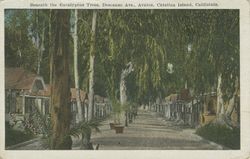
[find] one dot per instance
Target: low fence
(101, 111)
(187, 112)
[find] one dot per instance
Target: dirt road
(150, 132)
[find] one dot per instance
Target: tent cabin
(73, 104)
(209, 112)
(210, 108)
(22, 92)
(171, 98)
(83, 98)
(185, 95)
(101, 106)
(84, 103)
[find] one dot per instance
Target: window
(210, 107)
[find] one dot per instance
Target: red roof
(185, 95)
(172, 97)
(19, 78)
(47, 93)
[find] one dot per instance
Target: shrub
(13, 137)
(221, 134)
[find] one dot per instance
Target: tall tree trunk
(61, 115)
(51, 59)
(223, 115)
(220, 105)
(91, 69)
(186, 85)
(91, 109)
(78, 99)
(123, 95)
(37, 41)
(41, 49)
(231, 103)
(123, 98)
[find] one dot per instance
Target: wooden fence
(187, 112)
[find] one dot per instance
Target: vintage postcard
(125, 79)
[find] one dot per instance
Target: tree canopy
(199, 44)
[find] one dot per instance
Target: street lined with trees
(130, 57)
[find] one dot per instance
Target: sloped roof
(82, 94)
(19, 78)
(172, 97)
(185, 95)
(47, 93)
(99, 98)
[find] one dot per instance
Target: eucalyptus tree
(152, 56)
(76, 76)
(114, 58)
(38, 30)
(91, 66)
(60, 112)
(91, 73)
(214, 53)
(123, 88)
(214, 58)
(131, 40)
(226, 50)
(20, 50)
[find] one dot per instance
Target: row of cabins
(25, 91)
(192, 111)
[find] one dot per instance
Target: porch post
(23, 102)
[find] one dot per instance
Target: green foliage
(38, 123)
(85, 127)
(150, 39)
(19, 48)
(22, 29)
(221, 135)
(41, 124)
(116, 106)
(13, 137)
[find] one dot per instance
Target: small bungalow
(23, 91)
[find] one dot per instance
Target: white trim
(37, 97)
(41, 79)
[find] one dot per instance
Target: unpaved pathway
(148, 132)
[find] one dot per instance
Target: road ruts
(150, 132)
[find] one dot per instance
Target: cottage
(23, 91)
